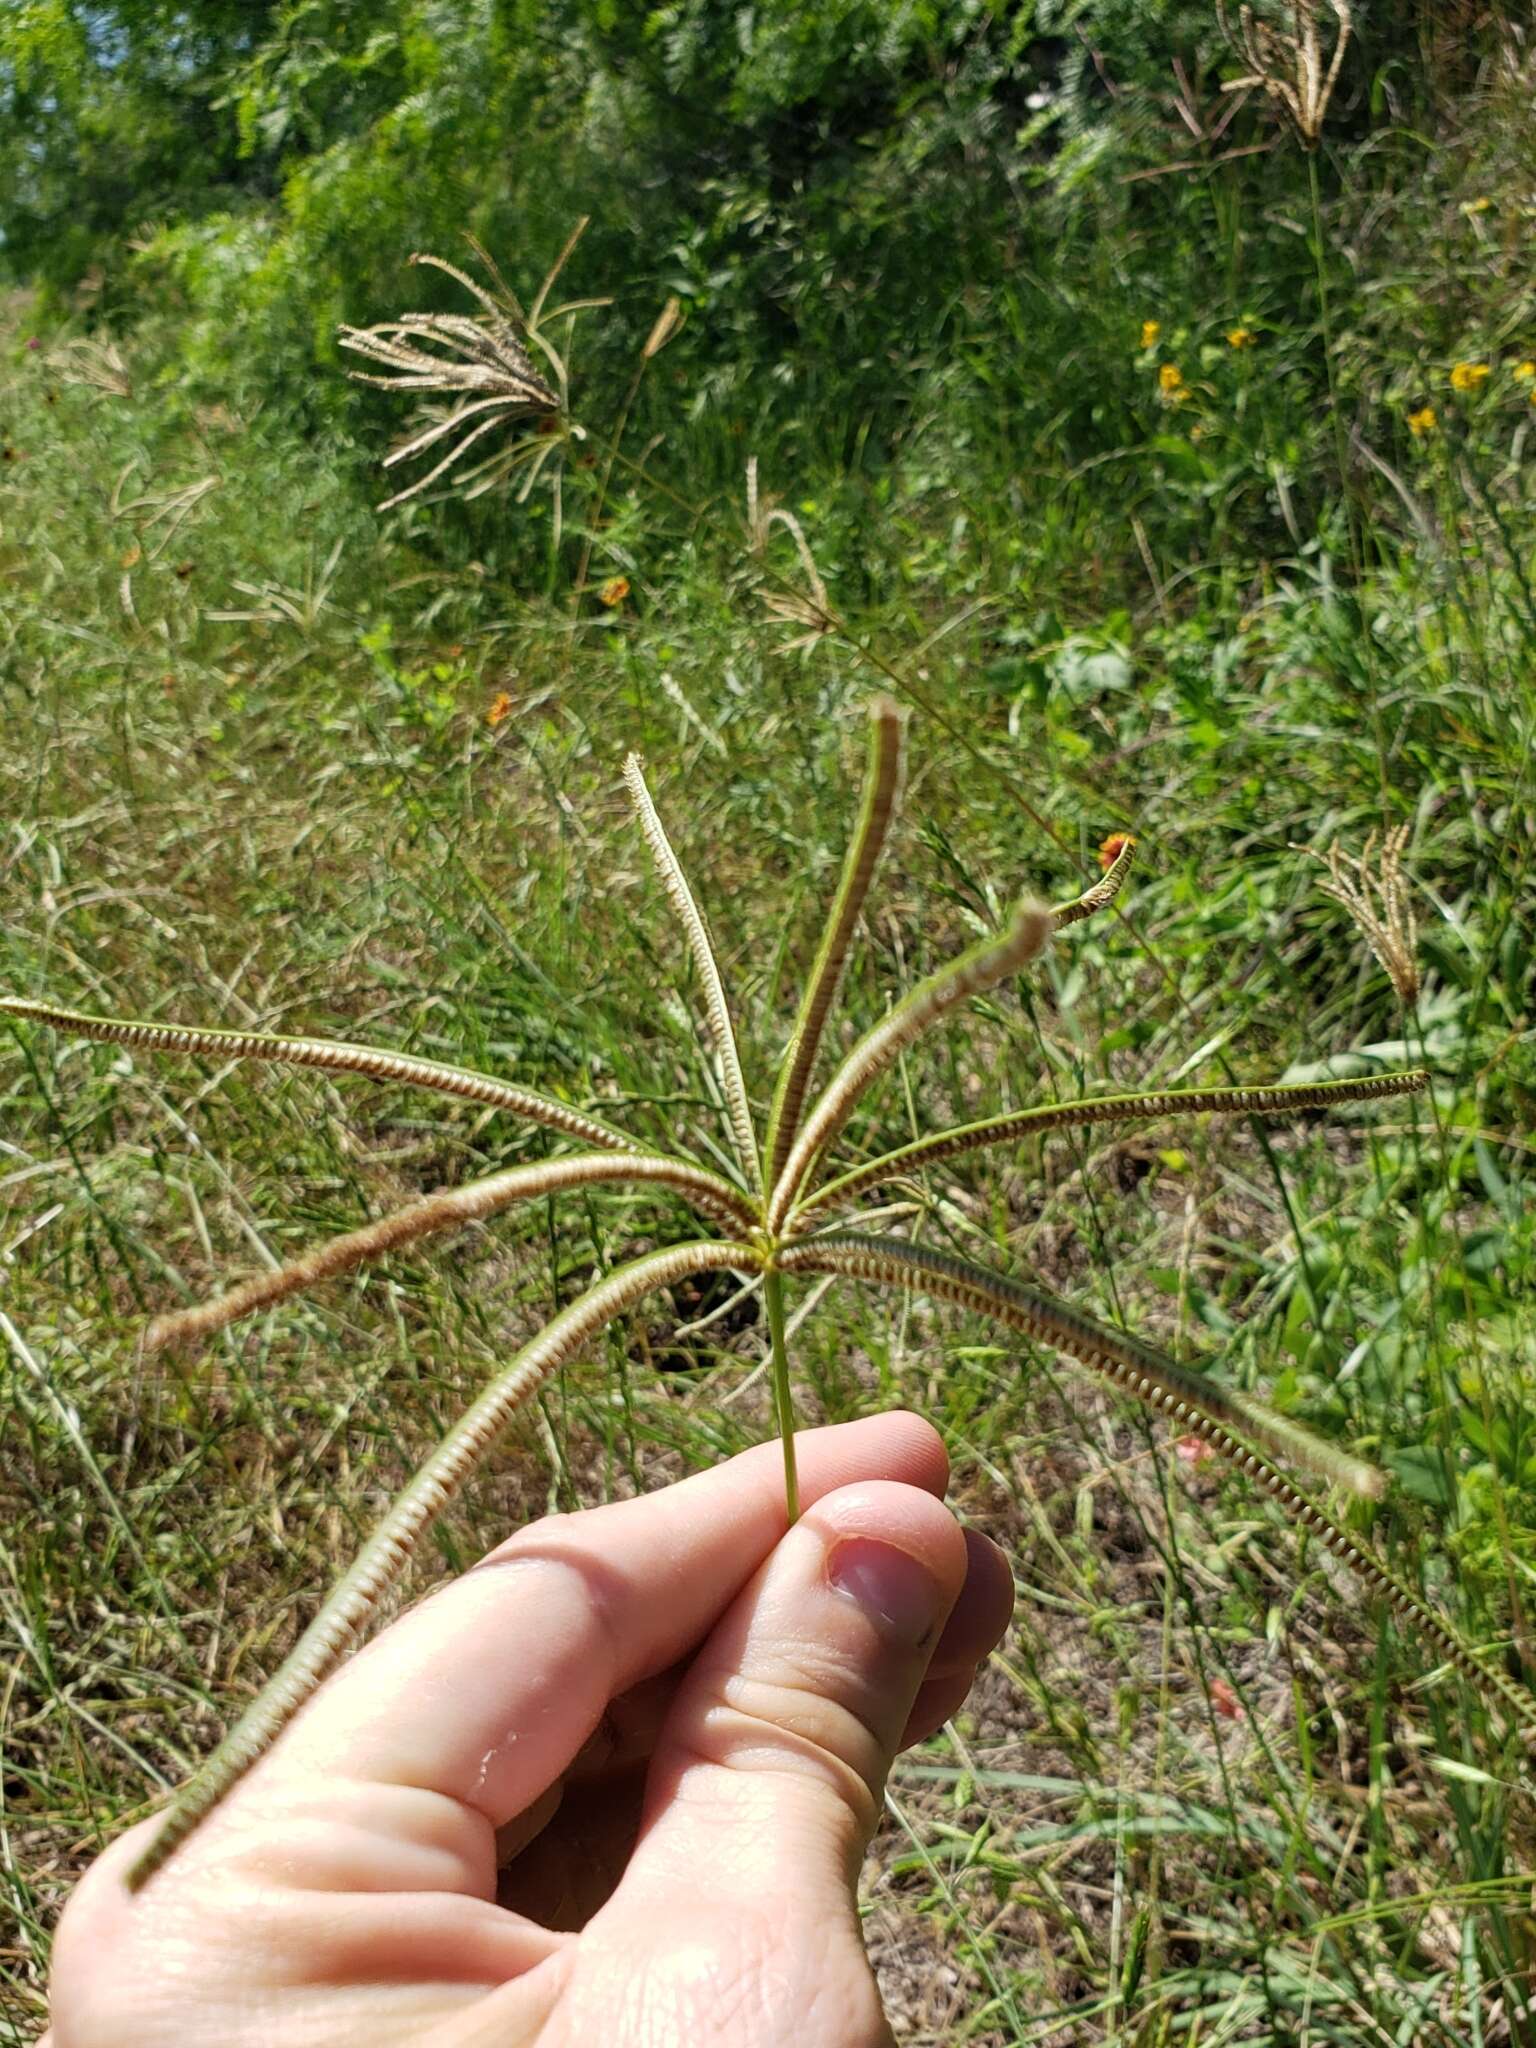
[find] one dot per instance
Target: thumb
(771, 1765)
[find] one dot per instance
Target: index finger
(486, 1691)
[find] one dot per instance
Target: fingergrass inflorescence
(1290, 65)
(483, 364)
(780, 1207)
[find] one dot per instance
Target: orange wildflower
(614, 591)
(1224, 1700)
(1112, 849)
(501, 709)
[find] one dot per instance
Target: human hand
(666, 1722)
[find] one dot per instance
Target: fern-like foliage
(784, 1210)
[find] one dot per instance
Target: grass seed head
(1376, 897)
(1290, 65)
(483, 365)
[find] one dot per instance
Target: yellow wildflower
(1241, 337)
(1170, 382)
(1524, 373)
(1150, 330)
(614, 591)
(501, 709)
(1468, 376)
(1422, 422)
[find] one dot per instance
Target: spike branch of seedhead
(451, 1209)
(356, 1598)
(717, 1015)
(880, 797)
(1274, 1099)
(331, 1056)
(1231, 1423)
(979, 968)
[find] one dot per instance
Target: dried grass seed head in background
(1371, 887)
(1289, 64)
(484, 363)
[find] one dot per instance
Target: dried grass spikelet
(300, 605)
(95, 361)
(1377, 898)
(667, 323)
(810, 608)
(483, 362)
(1289, 65)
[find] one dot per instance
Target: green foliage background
(915, 248)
